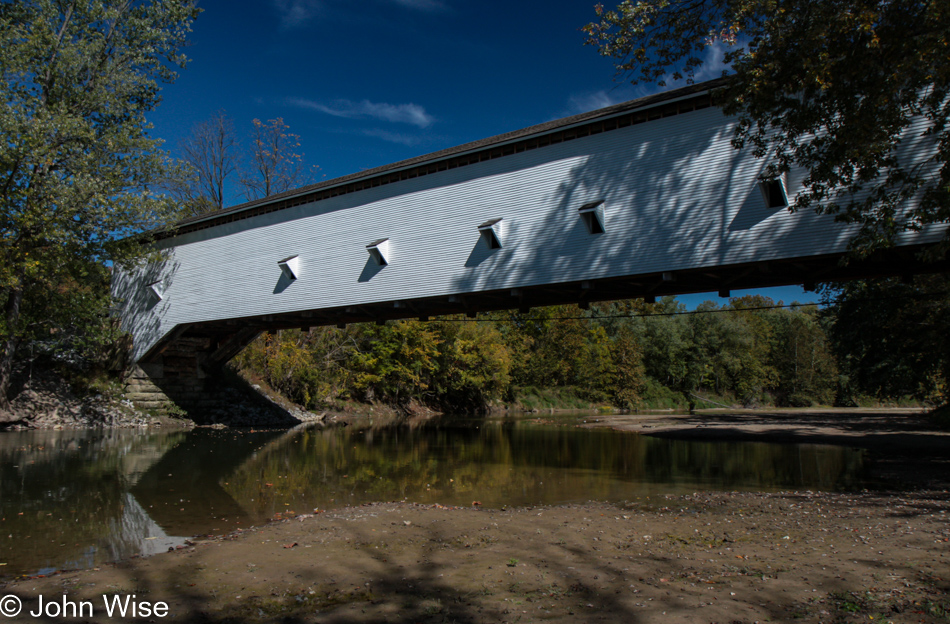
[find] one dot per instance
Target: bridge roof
(372, 177)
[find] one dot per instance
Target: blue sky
(369, 83)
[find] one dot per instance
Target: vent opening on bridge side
(594, 217)
(492, 232)
(157, 289)
(774, 193)
(379, 250)
(290, 267)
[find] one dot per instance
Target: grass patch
(532, 399)
(656, 396)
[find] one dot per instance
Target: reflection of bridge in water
(74, 499)
(184, 491)
(88, 498)
(641, 199)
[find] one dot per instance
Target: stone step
(135, 397)
(154, 405)
(141, 387)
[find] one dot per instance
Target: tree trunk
(9, 345)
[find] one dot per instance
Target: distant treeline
(880, 341)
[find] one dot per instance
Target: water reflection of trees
(516, 465)
(73, 499)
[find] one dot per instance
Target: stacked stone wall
(176, 382)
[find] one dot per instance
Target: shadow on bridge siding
(664, 212)
(752, 212)
(141, 307)
(370, 270)
(480, 253)
(283, 282)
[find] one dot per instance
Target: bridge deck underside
(227, 337)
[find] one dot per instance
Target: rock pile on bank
(46, 401)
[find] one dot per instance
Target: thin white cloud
(592, 101)
(412, 114)
(714, 63)
(713, 66)
(393, 137)
(295, 13)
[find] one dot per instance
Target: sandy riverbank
(703, 558)
(707, 557)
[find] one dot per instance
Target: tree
(548, 346)
(666, 344)
(473, 365)
(838, 87)
(629, 377)
(209, 157)
(307, 367)
(275, 164)
(892, 338)
(801, 354)
(76, 160)
(393, 362)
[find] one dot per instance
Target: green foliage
(462, 365)
(69, 317)
(76, 159)
(657, 396)
(803, 359)
(631, 355)
(473, 365)
(548, 343)
(728, 352)
(749, 347)
(628, 379)
(892, 338)
(302, 366)
(558, 347)
(837, 87)
(666, 343)
(530, 398)
(393, 362)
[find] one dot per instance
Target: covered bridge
(640, 199)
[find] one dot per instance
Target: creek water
(75, 499)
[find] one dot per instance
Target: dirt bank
(45, 400)
(699, 558)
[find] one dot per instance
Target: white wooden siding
(677, 196)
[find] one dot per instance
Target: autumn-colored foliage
(625, 354)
